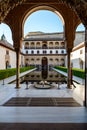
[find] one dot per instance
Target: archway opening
(7, 64)
(5, 29)
(42, 25)
(78, 53)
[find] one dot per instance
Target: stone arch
(79, 7)
(40, 7)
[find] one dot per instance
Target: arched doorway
(44, 67)
(7, 64)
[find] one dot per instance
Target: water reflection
(51, 76)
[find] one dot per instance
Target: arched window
(32, 52)
(62, 59)
(62, 45)
(50, 45)
(38, 45)
(26, 45)
(56, 52)
(7, 52)
(26, 52)
(62, 51)
(51, 59)
(56, 45)
(57, 59)
(50, 52)
(37, 52)
(32, 59)
(32, 46)
(44, 46)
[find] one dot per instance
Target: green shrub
(61, 68)
(78, 72)
(75, 71)
(10, 72)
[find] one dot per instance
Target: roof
(3, 37)
(6, 44)
(40, 36)
(79, 46)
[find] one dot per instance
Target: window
(56, 52)
(62, 43)
(81, 51)
(7, 52)
(62, 51)
(32, 59)
(44, 52)
(51, 43)
(37, 52)
(27, 59)
(26, 45)
(26, 52)
(50, 52)
(62, 59)
(38, 43)
(38, 59)
(51, 59)
(57, 59)
(32, 43)
(56, 43)
(32, 52)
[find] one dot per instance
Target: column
(69, 76)
(85, 102)
(17, 68)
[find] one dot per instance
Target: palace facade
(43, 50)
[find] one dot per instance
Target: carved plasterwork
(6, 6)
(80, 6)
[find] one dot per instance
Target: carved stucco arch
(41, 7)
(80, 6)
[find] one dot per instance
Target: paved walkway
(75, 78)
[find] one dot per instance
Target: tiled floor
(36, 118)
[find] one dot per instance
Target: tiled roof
(6, 44)
(44, 36)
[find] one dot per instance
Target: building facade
(8, 55)
(44, 50)
(78, 56)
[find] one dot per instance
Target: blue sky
(45, 21)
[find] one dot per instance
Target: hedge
(10, 72)
(75, 71)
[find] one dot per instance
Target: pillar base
(17, 87)
(69, 86)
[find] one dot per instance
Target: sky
(43, 20)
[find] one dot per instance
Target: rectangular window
(81, 51)
(7, 52)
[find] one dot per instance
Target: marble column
(69, 76)
(17, 68)
(85, 102)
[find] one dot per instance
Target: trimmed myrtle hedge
(75, 71)
(10, 72)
